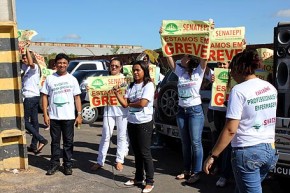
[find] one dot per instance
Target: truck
(75, 65)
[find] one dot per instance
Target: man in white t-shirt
(31, 95)
(60, 96)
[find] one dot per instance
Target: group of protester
(133, 117)
(251, 153)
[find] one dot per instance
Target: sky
(137, 22)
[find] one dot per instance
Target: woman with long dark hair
(190, 117)
(139, 100)
(250, 125)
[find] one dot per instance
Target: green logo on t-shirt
(59, 101)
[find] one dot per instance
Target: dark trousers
(31, 120)
(140, 140)
(66, 129)
(224, 161)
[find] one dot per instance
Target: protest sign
(225, 43)
(186, 37)
(220, 87)
(23, 37)
(266, 70)
(42, 67)
(100, 90)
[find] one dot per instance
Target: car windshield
(71, 66)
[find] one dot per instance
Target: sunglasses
(114, 66)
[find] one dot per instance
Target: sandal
(41, 146)
(182, 176)
(119, 166)
(95, 167)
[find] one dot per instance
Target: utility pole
(13, 154)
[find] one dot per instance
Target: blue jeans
(251, 165)
(31, 120)
(190, 122)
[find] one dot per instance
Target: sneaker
(148, 188)
(193, 178)
(134, 183)
(221, 182)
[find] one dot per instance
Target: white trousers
(122, 138)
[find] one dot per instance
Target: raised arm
(28, 55)
(170, 61)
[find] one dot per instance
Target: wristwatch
(79, 113)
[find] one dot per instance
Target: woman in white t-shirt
(190, 117)
(114, 116)
(139, 100)
(250, 125)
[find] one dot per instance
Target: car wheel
(168, 102)
(89, 114)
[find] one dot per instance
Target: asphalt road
(167, 162)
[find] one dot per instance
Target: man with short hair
(60, 96)
(31, 96)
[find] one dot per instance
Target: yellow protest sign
(225, 43)
(44, 70)
(186, 37)
(220, 87)
(23, 37)
(100, 90)
(266, 70)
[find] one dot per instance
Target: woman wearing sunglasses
(113, 116)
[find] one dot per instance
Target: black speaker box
(282, 57)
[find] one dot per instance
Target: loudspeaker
(282, 57)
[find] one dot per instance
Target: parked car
(166, 106)
(89, 114)
(76, 65)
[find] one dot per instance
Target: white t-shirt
(254, 103)
(30, 81)
(61, 91)
(188, 89)
(136, 93)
